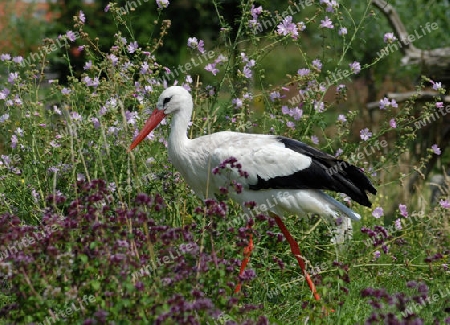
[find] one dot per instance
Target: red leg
(247, 252)
(296, 251)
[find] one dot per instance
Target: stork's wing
(280, 163)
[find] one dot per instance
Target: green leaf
(83, 258)
(95, 284)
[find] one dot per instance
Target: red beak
(152, 122)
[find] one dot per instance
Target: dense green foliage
(83, 242)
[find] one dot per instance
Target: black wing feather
(325, 173)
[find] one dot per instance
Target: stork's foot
(247, 252)
(296, 251)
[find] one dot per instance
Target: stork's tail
(339, 206)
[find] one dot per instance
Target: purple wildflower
(389, 38)
(403, 210)
(287, 27)
(76, 116)
(82, 17)
(319, 107)
(14, 141)
(365, 134)
(274, 95)
(92, 82)
(378, 212)
(5, 57)
(247, 72)
(392, 123)
(4, 118)
(193, 43)
(384, 103)
(317, 64)
(54, 144)
(211, 67)
(331, 5)
(12, 77)
(237, 102)
(132, 47)
(87, 65)
(220, 58)
(326, 23)
(256, 11)
(114, 59)
(71, 36)
(131, 117)
(56, 110)
(145, 68)
(303, 72)
(253, 24)
(342, 118)
(342, 31)
(445, 204)
(301, 26)
(17, 59)
(95, 122)
(162, 3)
(355, 67)
(437, 85)
(296, 113)
(436, 149)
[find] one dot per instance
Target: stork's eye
(166, 100)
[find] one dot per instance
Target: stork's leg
(296, 251)
(247, 252)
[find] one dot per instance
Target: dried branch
(435, 63)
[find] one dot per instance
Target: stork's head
(174, 100)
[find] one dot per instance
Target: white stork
(274, 164)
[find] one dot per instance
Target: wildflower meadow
(93, 234)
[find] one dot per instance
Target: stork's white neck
(178, 139)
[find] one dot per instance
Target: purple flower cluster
(230, 163)
(397, 308)
(213, 207)
(386, 103)
(255, 12)
(377, 236)
(193, 43)
(288, 28)
(211, 67)
(295, 112)
(435, 257)
(130, 253)
(249, 64)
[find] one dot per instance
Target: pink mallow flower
(403, 210)
(287, 27)
(378, 212)
(445, 204)
(436, 149)
(365, 134)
